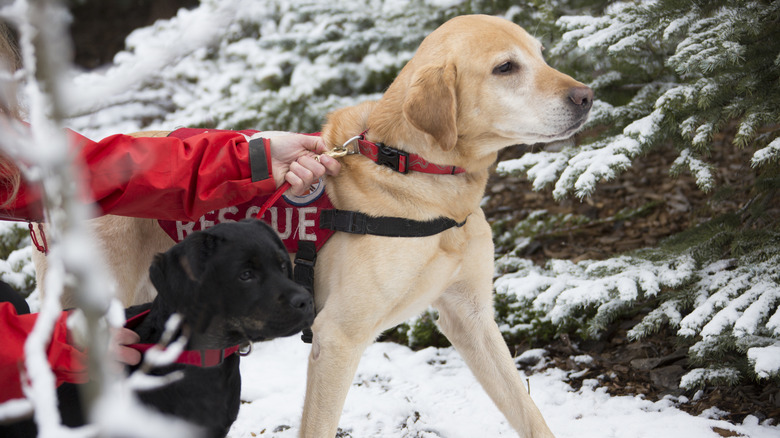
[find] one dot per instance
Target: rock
(667, 377)
(645, 364)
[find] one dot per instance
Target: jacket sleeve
(67, 361)
(161, 177)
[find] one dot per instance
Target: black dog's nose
(301, 300)
(581, 97)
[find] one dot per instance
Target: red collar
(201, 358)
(399, 160)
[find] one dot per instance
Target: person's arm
(172, 178)
(67, 361)
(181, 179)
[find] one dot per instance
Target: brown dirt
(651, 367)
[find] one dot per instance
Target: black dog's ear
(166, 274)
(198, 249)
(176, 274)
(157, 273)
(270, 232)
(183, 263)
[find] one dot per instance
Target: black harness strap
(360, 223)
(303, 274)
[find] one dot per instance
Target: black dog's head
(233, 283)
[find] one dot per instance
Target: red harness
(302, 217)
(294, 218)
(200, 358)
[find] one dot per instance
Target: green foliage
(682, 73)
(419, 332)
(11, 238)
(15, 257)
(520, 325)
(536, 226)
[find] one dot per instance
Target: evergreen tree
(670, 72)
(676, 71)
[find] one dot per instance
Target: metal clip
(349, 147)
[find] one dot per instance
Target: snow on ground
(431, 393)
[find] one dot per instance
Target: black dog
(233, 285)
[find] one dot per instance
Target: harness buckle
(304, 262)
(352, 222)
(392, 158)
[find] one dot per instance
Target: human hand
(293, 160)
(118, 347)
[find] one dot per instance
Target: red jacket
(67, 362)
(152, 177)
(158, 177)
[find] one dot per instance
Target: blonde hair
(10, 177)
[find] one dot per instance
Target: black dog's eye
(505, 68)
(247, 275)
(284, 263)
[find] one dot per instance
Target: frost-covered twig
(164, 353)
(725, 304)
(34, 43)
(45, 50)
(771, 153)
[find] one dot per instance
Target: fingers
(118, 348)
(303, 173)
(319, 164)
(297, 159)
(297, 186)
(126, 336)
(332, 165)
(307, 170)
(127, 355)
(313, 143)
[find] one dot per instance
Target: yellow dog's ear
(431, 106)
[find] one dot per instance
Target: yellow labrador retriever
(476, 85)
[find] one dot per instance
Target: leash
(272, 200)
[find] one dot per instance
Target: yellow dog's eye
(505, 68)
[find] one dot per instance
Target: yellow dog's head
(482, 79)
